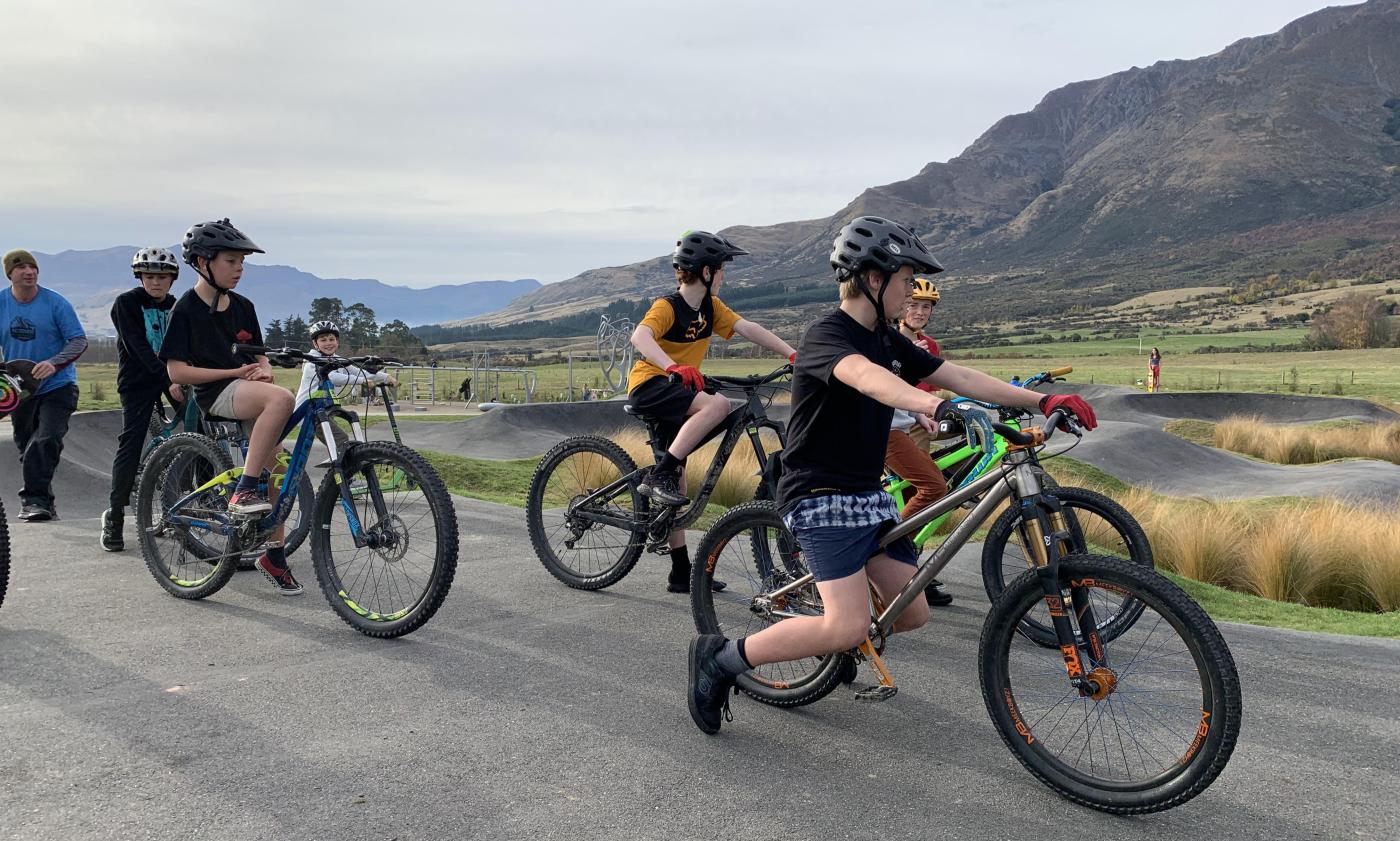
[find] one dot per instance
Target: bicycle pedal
(875, 693)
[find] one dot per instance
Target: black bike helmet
(698, 249)
(873, 242)
(207, 239)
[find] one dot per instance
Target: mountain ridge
(91, 279)
(1153, 177)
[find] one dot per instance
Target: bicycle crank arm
(885, 689)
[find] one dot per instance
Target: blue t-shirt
(38, 330)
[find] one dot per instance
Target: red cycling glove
(1071, 403)
(792, 358)
(690, 376)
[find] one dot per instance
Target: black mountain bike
(16, 384)
(1135, 708)
(588, 521)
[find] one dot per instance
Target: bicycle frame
(748, 419)
(986, 463)
(1049, 541)
(315, 411)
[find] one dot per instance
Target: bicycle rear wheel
(1098, 525)
(189, 561)
(395, 584)
(567, 532)
(1161, 717)
(751, 550)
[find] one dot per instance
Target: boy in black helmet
(198, 350)
(853, 371)
(141, 316)
(673, 339)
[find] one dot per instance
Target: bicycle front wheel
(4, 554)
(579, 535)
(396, 581)
(189, 560)
(1097, 525)
(1157, 712)
(752, 551)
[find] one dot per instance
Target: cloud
(457, 141)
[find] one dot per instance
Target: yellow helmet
(924, 290)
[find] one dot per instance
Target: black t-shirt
(141, 323)
(205, 340)
(836, 438)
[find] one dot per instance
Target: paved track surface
(528, 710)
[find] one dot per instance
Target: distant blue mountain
(91, 279)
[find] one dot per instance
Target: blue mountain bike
(384, 549)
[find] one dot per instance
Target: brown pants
(915, 465)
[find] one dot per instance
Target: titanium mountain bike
(1138, 722)
(385, 558)
(588, 521)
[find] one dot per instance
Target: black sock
(277, 554)
(680, 563)
(743, 655)
(246, 482)
(668, 463)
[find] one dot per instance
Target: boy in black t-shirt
(853, 369)
(198, 350)
(140, 316)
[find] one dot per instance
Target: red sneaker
(280, 575)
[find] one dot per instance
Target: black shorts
(664, 400)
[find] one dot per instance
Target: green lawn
(1229, 606)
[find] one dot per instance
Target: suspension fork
(1048, 539)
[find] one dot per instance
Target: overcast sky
(452, 140)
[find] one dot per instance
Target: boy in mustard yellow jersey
(673, 339)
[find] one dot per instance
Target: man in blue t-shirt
(39, 324)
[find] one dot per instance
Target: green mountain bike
(384, 558)
(1098, 524)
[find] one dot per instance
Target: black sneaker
(279, 575)
(936, 595)
(708, 697)
(849, 669)
(35, 512)
(251, 501)
(662, 486)
(112, 530)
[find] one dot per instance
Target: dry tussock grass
(1252, 435)
(736, 484)
(1320, 552)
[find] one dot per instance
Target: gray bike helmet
(698, 249)
(320, 328)
(207, 239)
(873, 242)
(155, 260)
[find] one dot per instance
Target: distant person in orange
(1154, 371)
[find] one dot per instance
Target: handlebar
(716, 382)
(290, 357)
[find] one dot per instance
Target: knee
(716, 405)
(849, 633)
(281, 401)
(915, 616)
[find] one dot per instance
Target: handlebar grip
(1014, 435)
(1060, 372)
(256, 350)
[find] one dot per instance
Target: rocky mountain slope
(1279, 153)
